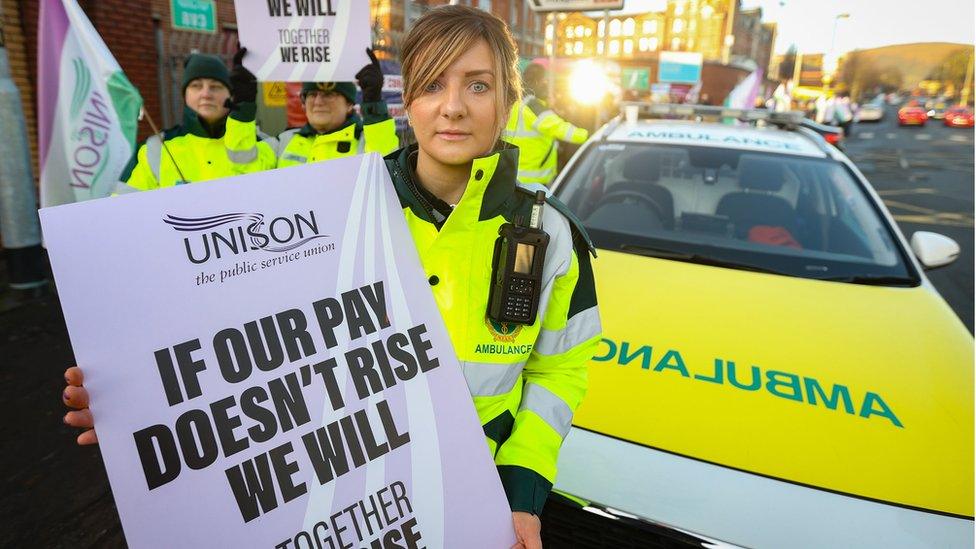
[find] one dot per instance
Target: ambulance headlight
(588, 83)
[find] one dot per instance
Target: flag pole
(144, 112)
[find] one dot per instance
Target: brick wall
(128, 28)
(20, 68)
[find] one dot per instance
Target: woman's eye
(479, 87)
(432, 87)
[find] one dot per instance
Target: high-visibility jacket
(526, 381)
(232, 149)
(534, 128)
(375, 133)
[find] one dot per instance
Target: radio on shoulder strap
(516, 274)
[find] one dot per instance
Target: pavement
(924, 174)
(56, 494)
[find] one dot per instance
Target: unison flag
(743, 96)
(87, 109)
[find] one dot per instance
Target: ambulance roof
(728, 136)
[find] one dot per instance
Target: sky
(809, 23)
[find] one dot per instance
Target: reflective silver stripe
(154, 154)
(522, 174)
(569, 133)
(520, 133)
(542, 116)
(361, 144)
(545, 404)
(579, 328)
(491, 379)
(294, 158)
(122, 187)
(284, 139)
(242, 157)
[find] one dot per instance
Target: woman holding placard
(334, 130)
(509, 271)
(216, 138)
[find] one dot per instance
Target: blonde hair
(445, 33)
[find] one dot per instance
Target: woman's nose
(453, 106)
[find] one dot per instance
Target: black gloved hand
(243, 82)
(370, 79)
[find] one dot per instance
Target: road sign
(679, 66)
(575, 5)
(194, 15)
(275, 94)
(635, 79)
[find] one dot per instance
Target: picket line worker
(217, 137)
(535, 129)
(333, 129)
(457, 186)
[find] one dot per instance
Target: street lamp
(828, 71)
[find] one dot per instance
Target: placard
(304, 40)
(268, 368)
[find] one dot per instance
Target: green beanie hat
(200, 65)
(345, 89)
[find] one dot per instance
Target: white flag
(743, 96)
(87, 109)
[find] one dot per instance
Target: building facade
(753, 39)
(393, 18)
(686, 25)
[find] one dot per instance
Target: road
(925, 176)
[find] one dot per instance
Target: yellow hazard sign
(275, 94)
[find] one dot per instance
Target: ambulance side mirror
(933, 249)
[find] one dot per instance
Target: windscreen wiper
(874, 280)
(697, 259)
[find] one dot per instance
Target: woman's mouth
(453, 135)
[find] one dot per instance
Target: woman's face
(455, 119)
(206, 97)
(326, 110)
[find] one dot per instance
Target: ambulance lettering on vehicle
(729, 137)
(712, 139)
(777, 383)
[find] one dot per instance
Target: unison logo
(90, 149)
(238, 233)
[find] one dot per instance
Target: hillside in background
(915, 61)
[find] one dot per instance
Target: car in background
(959, 117)
(831, 134)
(775, 369)
(873, 111)
(912, 115)
(937, 110)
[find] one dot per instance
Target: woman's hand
(76, 396)
(528, 531)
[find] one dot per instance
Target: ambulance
(776, 369)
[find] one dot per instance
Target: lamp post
(729, 37)
(828, 74)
